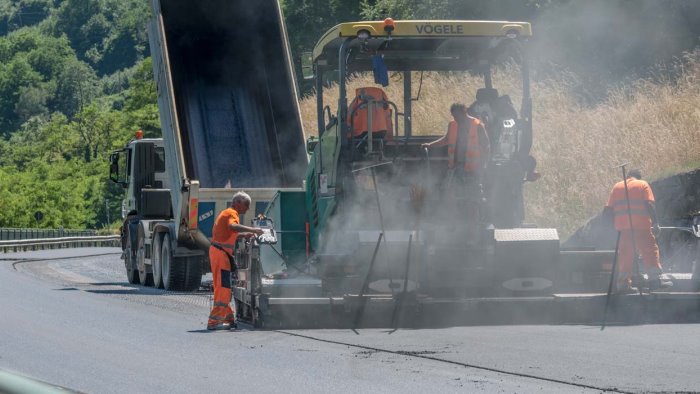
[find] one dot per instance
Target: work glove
(655, 229)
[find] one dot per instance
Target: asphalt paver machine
(376, 223)
(378, 237)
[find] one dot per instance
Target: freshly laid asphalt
(75, 322)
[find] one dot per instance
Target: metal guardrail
(35, 233)
(58, 243)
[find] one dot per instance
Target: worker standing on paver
(468, 151)
(466, 140)
(638, 206)
(226, 230)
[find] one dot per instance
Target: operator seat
(375, 100)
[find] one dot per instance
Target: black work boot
(223, 326)
(624, 287)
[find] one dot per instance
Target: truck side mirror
(307, 65)
(311, 144)
(114, 169)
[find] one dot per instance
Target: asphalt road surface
(68, 317)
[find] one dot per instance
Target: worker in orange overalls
(638, 233)
(226, 230)
(468, 150)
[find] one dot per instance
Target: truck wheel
(193, 275)
(156, 262)
(166, 257)
(179, 274)
(146, 278)
(238, 310)
(132, 274)
(258, 320)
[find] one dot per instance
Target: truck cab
(141, 166)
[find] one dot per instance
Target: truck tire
(193, 277)
(145, 277)
(181, 273)
(156, 261)
(132, 274)
(258, 320)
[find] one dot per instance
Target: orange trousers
(221, 273)
(646, 246)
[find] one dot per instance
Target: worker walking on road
(226, 230)
(640, 233)
(468, 150)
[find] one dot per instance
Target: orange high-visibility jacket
(640, 195)
(381, 114)
(472, 157)
(221, 233)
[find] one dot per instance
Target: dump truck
(230, 121)
(377, 237)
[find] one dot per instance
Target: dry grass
(653, 125)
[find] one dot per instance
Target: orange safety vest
(472, 155)
(381, 116)
(639, 195)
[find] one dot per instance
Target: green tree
(76, 87)
(32, 63)
(307, 20)
(142, 101)
(98, 128)
(14, 75)
(7, 8)
(31, 102)
(15, 14)
(404, 9)
(8, 200)
(455, 9)
(71, 17)
(127, 42)
(50, 55)
(30, 12)
(108, 34)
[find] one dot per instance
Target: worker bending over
(638, 233)
(226, 230)
(468, 152)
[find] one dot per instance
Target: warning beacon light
(389, 25)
